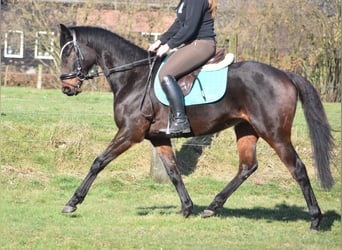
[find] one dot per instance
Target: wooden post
(39, 78)
(6, 75)
(157, 170)
(233, 46)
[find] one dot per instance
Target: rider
(193, 28)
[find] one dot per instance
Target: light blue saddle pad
(209, 86)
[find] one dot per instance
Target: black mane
(99, 37)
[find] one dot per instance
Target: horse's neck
(113, 52)
(110, 59)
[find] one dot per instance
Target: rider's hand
(163, 50)
(154, 46)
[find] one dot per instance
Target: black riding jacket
(193, 22)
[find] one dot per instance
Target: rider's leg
(178, 119)
(181, 62)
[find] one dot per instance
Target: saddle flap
(186, 82)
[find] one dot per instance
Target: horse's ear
(65, 34)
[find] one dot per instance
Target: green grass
(145, 215)
(48, 141)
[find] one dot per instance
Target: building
(29, 31)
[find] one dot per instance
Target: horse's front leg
(119, 144)
(164, 149)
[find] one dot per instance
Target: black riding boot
(178, 120)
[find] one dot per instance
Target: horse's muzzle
(71, 88)
(71, 91)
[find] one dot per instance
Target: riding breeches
(188, 58)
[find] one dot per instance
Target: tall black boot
(179, 123)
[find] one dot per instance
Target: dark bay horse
(260, 101)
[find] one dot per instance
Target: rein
(130, 66)
(148, 86)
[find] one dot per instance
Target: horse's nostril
(66, 90)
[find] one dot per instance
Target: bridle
(78, 73)
(80, 76)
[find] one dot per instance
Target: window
(152, 37)
(44, 45)
(14, 44)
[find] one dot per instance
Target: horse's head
(77, 59)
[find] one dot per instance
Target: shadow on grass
(281, 212)
(190, 152)
(142, 211)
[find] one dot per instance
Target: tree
(295, 35)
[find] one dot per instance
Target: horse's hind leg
(298, 171)
(164, 149)
(246, 142)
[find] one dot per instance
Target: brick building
(29, 30)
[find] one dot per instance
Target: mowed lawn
(48, 142)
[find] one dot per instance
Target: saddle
(186, 82)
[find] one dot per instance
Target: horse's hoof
(316, 222)
(314, 228)
(69, 209)
(207, 213)
(186, 213)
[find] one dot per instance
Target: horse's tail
(319, 128)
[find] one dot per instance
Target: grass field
(48, 141)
